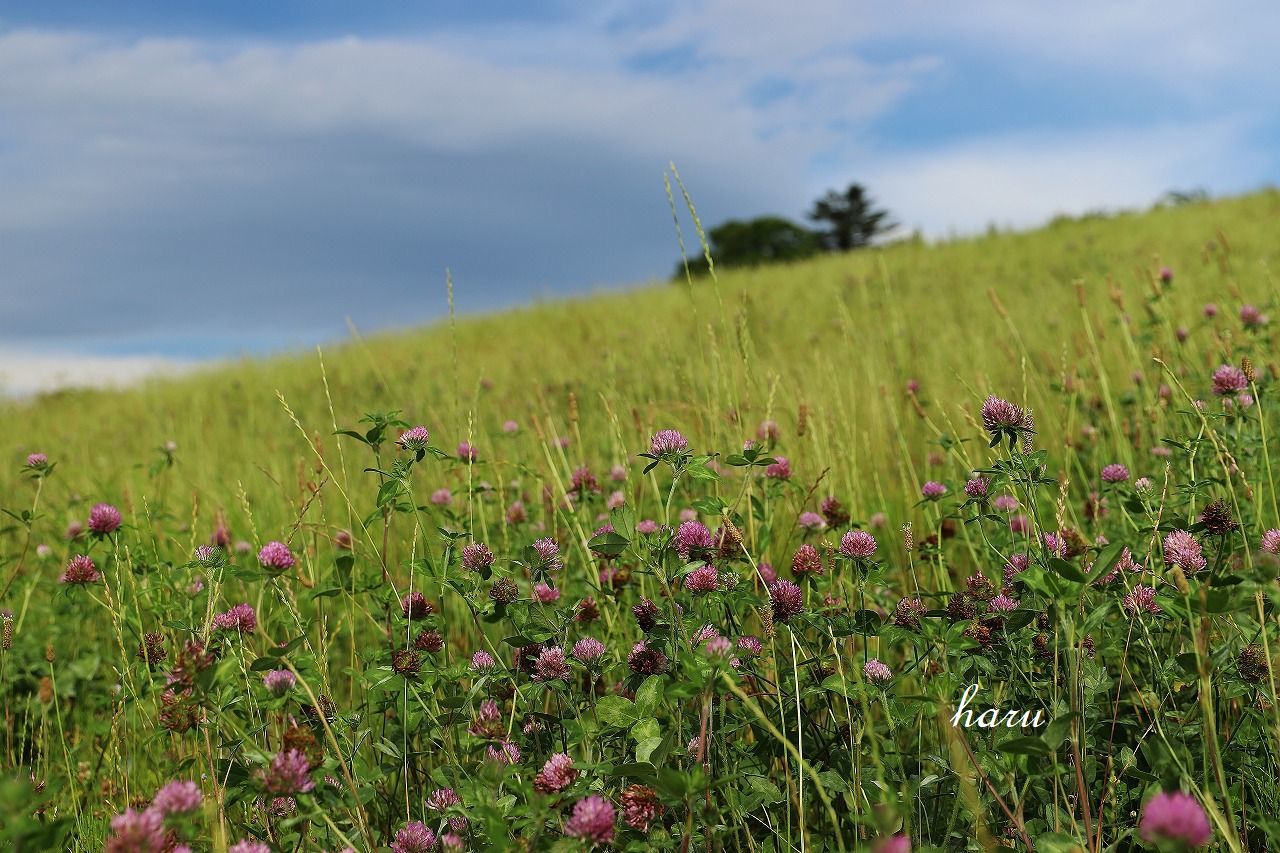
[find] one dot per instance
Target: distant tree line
(845, 220)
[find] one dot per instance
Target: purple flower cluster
(556, 775)
(668, 442)
(780, 469)
(1229, 379)
(1271, 541)
(548, 554)
(289, 773)
(551, 665)
(279, 682)
(933, 490)
(1000, 416)
(104, 519)
(241, 619)
(1115, 473)
(80, 570)
(276, 556)
(1141, 599)
(592, 820)
(137, 832)
(857, 544)
(703, 579)
(694, 540)
(876, 672)
(811, 521)
(1175, 817)
(806, 561)
(588, 649)
(477, 557)
(177, 798)
(1182, 550)
(414, 439)
(415, 837)
(787, 600)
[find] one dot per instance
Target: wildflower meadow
(960, 546)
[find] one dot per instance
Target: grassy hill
(838, 337)
(867, 372)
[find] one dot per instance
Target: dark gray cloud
(201, 195)
(176, 195)
(344, 225)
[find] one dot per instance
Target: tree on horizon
(851, 217)
(748, 243)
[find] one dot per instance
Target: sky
(183, 181)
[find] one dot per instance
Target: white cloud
(1022, 180)
(1184, 44)
(27, 372)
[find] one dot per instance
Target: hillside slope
(838, 337)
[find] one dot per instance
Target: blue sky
(195, 180)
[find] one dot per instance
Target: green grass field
(1071, 321)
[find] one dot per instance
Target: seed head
(415, 606)
(908, 612)
(1217, 519)
(646, 661)
(641, 807)
(429, 640)
(1252, 663)
(504, 591)
(406, 663)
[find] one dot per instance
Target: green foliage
(763, 240)
(726, 748)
